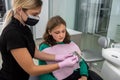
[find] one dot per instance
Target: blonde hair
(25, 4)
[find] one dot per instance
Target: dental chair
(111, 66)
(91, 56)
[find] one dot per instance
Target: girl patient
(57, 41)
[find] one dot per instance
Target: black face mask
(32, 20)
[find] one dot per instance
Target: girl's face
(58, 33)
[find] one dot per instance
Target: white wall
(93, 7)
(114, 19)
(40, 27)
(66, 9)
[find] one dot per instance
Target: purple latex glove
(70, 61)
(62, 57)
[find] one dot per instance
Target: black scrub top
(14, 36)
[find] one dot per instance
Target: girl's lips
(60, 38)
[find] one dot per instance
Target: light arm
(43, 56)
(24, 59)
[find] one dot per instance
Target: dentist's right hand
(68, 62)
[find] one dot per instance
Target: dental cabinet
(111, 65)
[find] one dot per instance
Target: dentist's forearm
(44, 56)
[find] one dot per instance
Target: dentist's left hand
(68, 62)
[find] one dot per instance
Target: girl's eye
(60, 32)
(57, 32)
(64, 31)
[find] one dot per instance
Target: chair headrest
(104, 41)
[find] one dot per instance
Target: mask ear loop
(12, 12)
(21, 18)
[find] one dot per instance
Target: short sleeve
(14, 40)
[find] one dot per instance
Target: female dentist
(18, 47)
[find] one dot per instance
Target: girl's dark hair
(52, 23)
